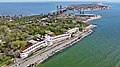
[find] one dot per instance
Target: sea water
(100, 49)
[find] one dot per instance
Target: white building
(32, 41)
(72, 31)
(31, 48)
(49, 41)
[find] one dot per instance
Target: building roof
(52, 35)
(28, 45)
(32, 41)
(72, 30)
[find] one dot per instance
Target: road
(41, 56)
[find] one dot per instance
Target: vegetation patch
(4, 60)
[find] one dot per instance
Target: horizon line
(53, 1)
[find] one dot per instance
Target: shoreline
(93, 18)
(67, 44)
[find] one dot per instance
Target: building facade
(49, 41)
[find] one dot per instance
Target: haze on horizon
(57, 0)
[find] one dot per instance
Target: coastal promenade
(41, 56)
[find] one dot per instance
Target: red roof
(28, 45)
(52, 35)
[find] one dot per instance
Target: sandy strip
(93, 18)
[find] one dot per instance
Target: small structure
(32, 41)
(2, 41)
(85, 15)
(72, 31)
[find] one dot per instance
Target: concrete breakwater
(64, 45)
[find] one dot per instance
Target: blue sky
(55, 0)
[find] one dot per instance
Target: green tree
(24, 36)
(15, 45)
(1, 56)
(7, 39)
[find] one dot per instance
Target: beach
(93, 18)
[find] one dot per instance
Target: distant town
(29, 40)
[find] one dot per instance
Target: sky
(55, 0)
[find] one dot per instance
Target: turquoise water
(100, 49)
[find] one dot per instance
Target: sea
(100, 49)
